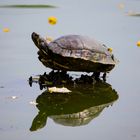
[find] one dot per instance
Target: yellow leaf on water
(110, 49)
(138, 43)
(52, 20)
(6, 30)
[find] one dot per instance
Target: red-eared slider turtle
(75, 53)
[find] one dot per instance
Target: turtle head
(39, 41)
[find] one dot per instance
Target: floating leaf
(6, 30)
(110, 49)
(28, 6)
(138, 43)
(52, 20)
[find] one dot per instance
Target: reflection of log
(79, 107)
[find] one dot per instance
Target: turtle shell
(77, 53)
(82, 47)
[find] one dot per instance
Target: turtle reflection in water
(76, 108)
(75, 53)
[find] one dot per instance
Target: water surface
(103, 20)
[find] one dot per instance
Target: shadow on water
(77, 108)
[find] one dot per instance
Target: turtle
(75, 53)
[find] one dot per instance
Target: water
(104, 21)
